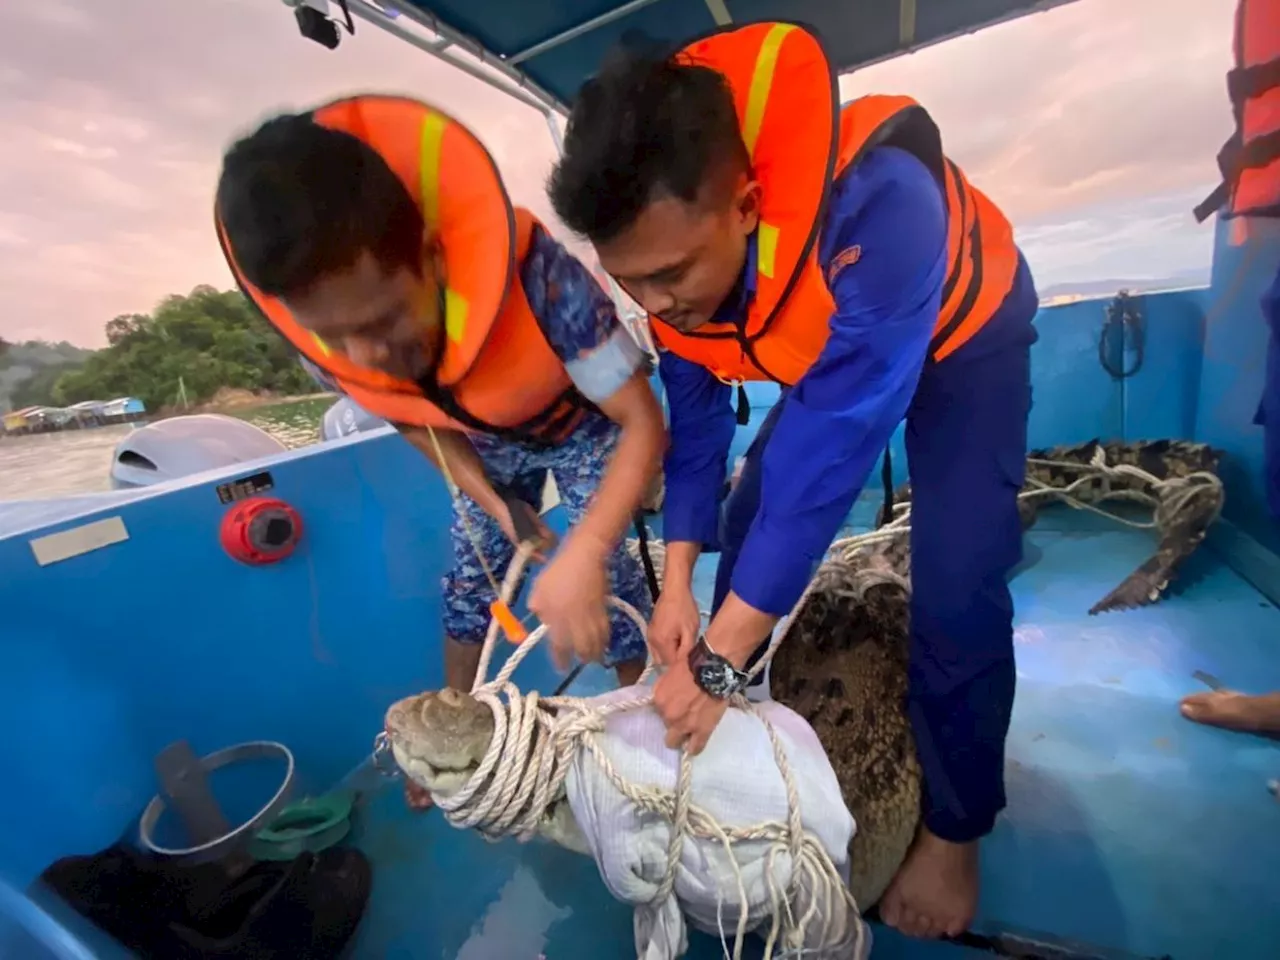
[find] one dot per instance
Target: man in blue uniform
(683, 198)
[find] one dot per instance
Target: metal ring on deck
(252, 750)
(384, 760)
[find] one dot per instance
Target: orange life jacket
(800, 141)
(497, 374)
(1250, 159)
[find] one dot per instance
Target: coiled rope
(535, 740)
(1169, 499)
(534, 743)
(839, 575)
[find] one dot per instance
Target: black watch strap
(713, 674)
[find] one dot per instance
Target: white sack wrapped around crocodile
(737, 783)
(439, 740)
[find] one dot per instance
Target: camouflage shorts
(577, 466)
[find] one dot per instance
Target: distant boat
(122, 408)
(78, 416)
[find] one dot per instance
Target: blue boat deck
(1128, 827)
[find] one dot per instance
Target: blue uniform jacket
(885, 230)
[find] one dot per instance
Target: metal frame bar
(564, 36)
(906, 22)
(517, 82)
(719, 12)
(477, 50)
(1042, 6)
(556, 136)
(490, 70)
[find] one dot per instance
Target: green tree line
(29, 370)
(195, 344)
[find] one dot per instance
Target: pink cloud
(1091, 101)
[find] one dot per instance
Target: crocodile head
(439, 738)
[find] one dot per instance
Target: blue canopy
(557, 45)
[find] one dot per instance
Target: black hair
(645, 127)
(299, 201)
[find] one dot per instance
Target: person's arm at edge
(608, 368)
(635, 462)
(464, 465)
(841, 414)
(702, 428)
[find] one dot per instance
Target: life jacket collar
(782, 151)
(463, 202)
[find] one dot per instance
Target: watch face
(717, 677)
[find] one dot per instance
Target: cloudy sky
(1094, 125)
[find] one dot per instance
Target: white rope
(531, 749)
(534, 743)
(838, 575)
(1167, 508)
(1168, 497)
(535, 739)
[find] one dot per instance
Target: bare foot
(1234, 711)
(935, 893)
(416, 797)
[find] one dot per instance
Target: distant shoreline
(230, 403)
(230, 400)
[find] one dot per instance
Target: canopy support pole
(503, 74)
(553, 124)
(573, 33)
(906, 23)
(719, 12)
(490, 70)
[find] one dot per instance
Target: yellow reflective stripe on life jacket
(433, 125)
(753, 120)
(762, 84)
(433, 128)
(766, 248)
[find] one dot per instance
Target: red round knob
(260, 530)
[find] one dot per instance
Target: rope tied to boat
(1169, 497)
(535, 741)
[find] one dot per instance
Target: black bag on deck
(303, 909)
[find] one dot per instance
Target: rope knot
(516, 787)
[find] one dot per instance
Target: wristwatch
(713, 673)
